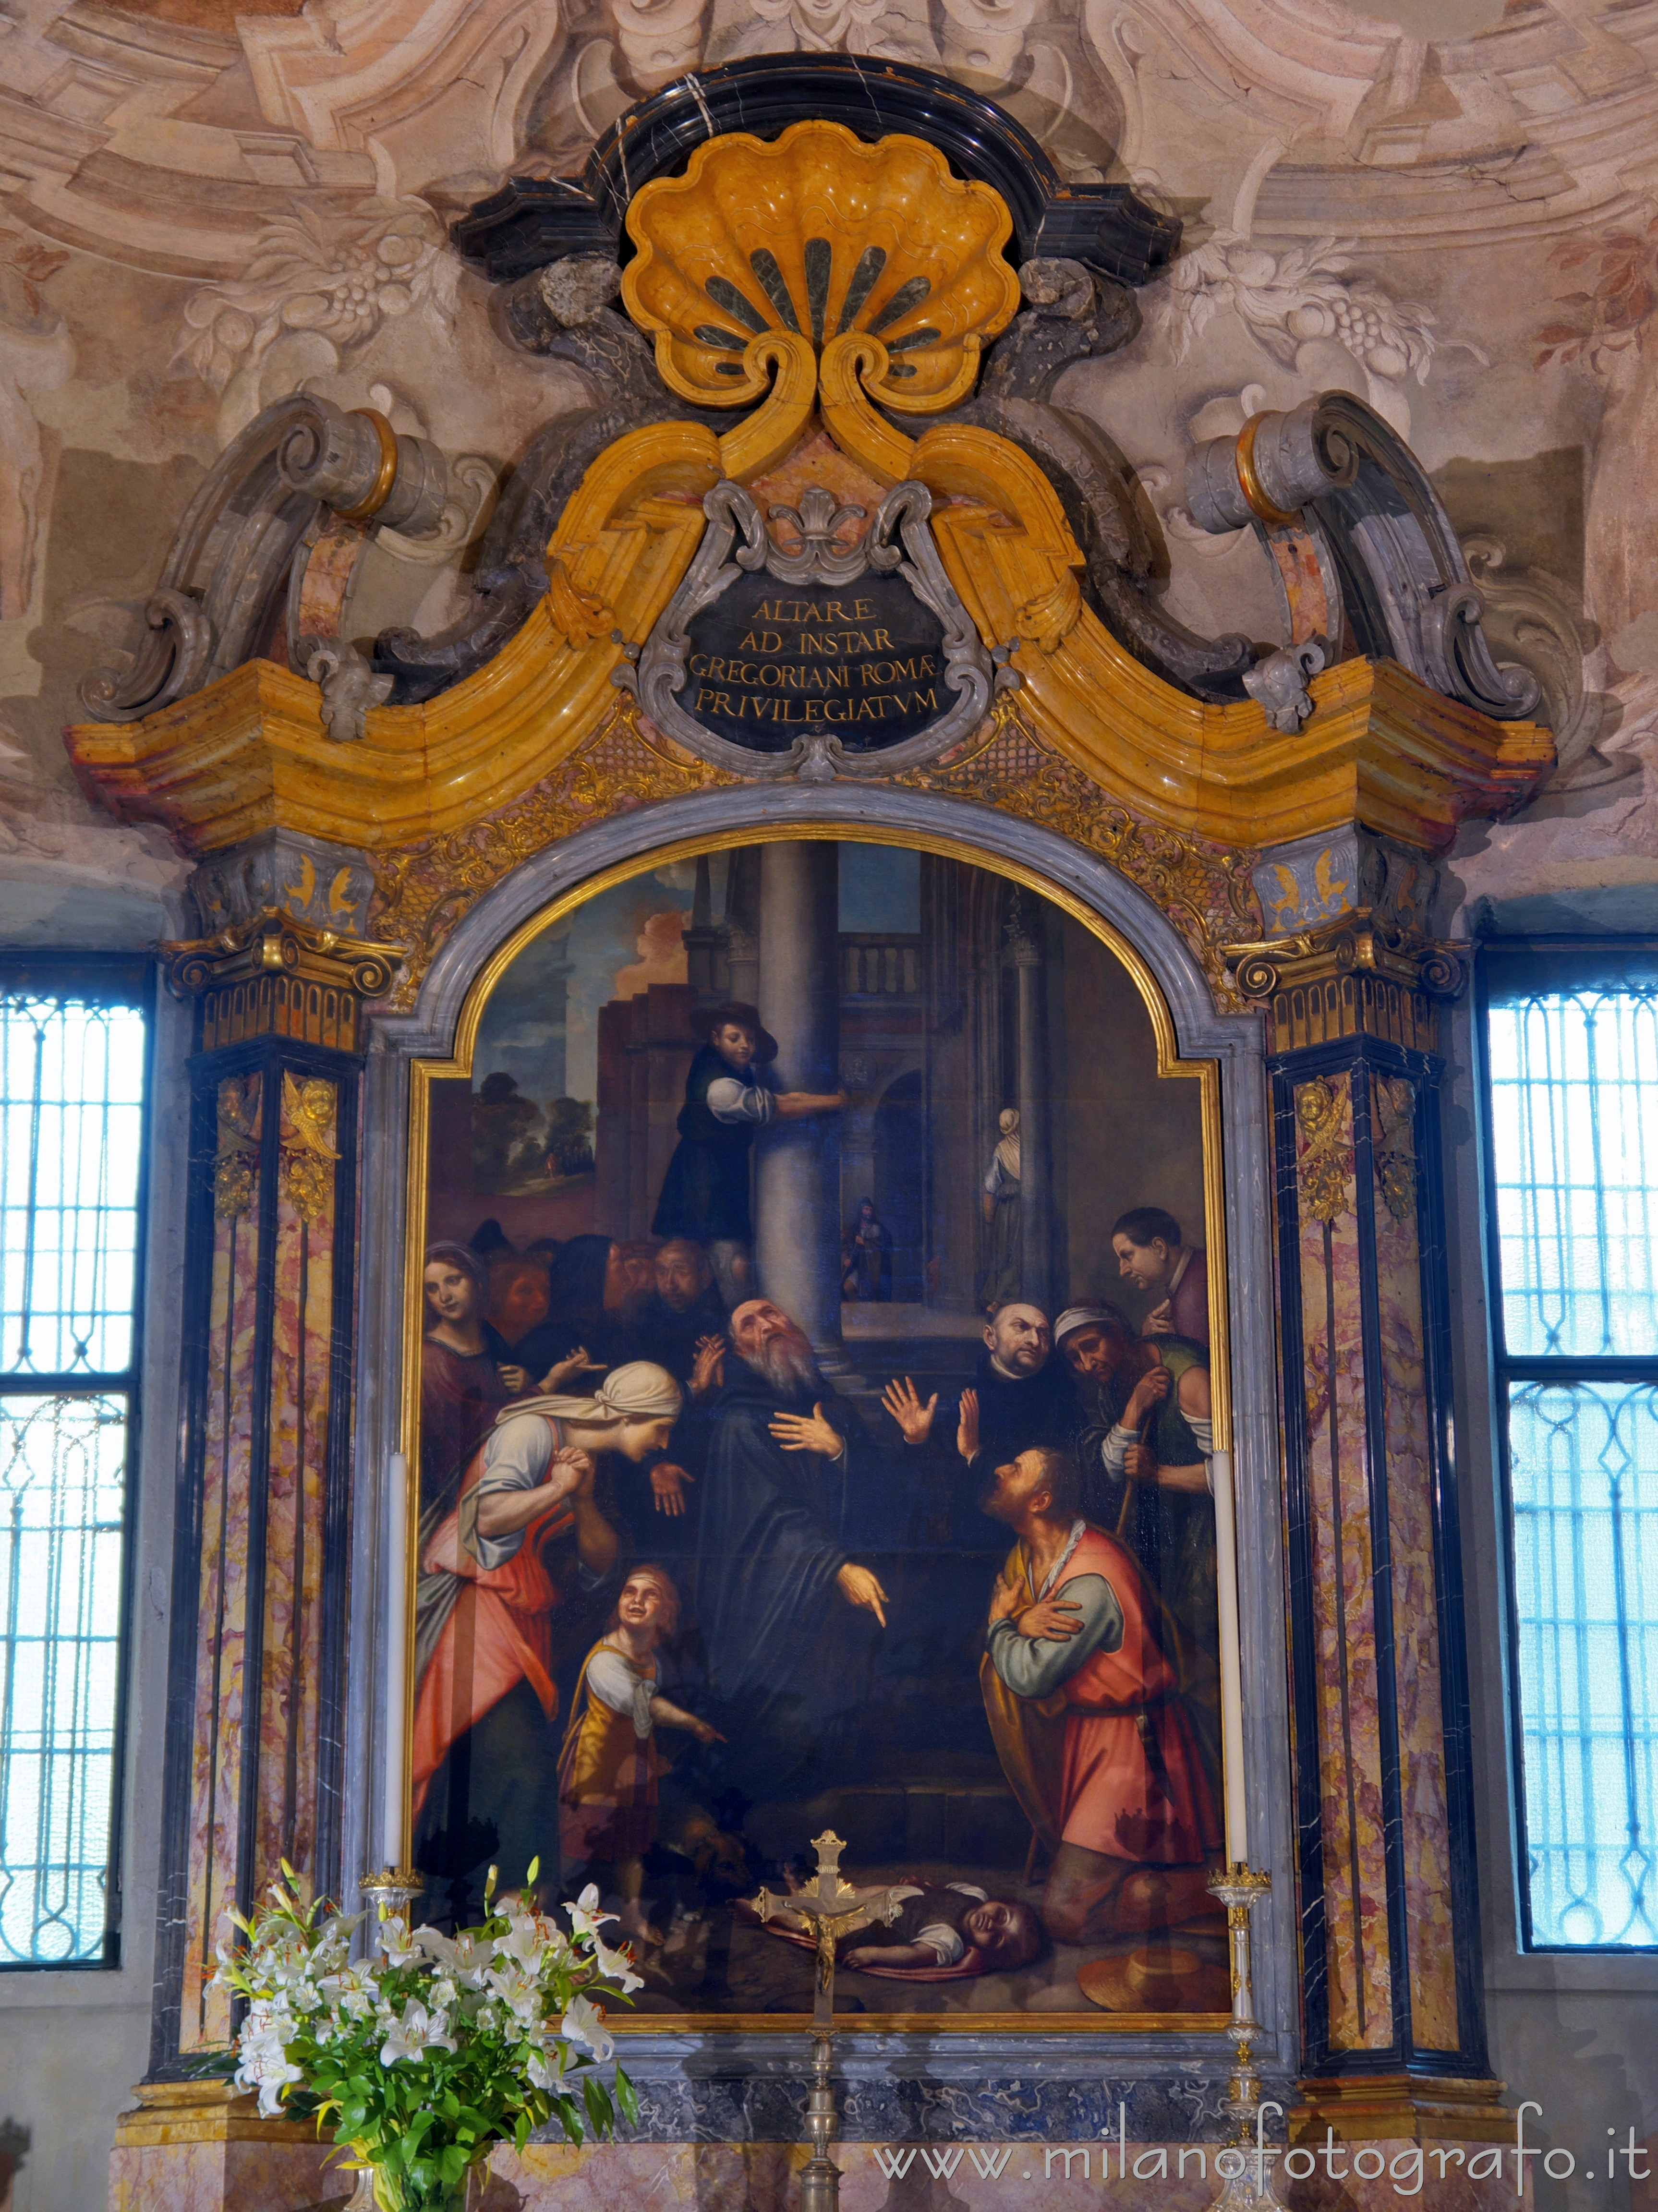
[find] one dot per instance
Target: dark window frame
(112, 980)
(1524, 966)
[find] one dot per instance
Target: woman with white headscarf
(1001, 1203)
(488, 1589)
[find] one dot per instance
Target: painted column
(257, 1667)
(741, 925)
(1391, 2005)
(704, 938)
(557, 974)
(797, 1172)
(1036, 1226)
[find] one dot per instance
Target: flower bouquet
(423, 2055)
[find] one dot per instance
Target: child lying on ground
(939, 1926)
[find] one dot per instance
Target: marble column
(1024, 942)
(254, 1770)
(1393, 2025)
(797, 1170)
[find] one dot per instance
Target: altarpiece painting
(820, 1326)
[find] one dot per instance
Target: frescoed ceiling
(1449, 210)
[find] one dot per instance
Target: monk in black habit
(1020, 1397)
(777, 1596)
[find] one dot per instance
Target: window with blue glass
(1572, 1066)
(73, 1063)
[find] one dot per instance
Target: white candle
(1231, 1678)
(394, 1717)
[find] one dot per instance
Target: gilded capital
(272, 976)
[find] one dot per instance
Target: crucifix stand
(831, 1907)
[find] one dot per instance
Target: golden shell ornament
(818, 240)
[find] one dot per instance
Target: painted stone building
(1092, 567)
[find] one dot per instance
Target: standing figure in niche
(1151, 1257)
(866, 1257)
(1003, 1213)
(608, 1770)
(1088, 1718)
(705, 1191)
(525, 1534)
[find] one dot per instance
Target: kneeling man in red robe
(1085, 1708)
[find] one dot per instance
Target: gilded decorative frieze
(309, 1156)
(1324, 1166)
(1204, 889)
(421, 894)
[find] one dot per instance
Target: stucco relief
(1366, 197)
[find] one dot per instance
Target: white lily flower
(523, 1942)
(416, 2032)
(396, 1943)
(585, 1915)
(463, 1956)
(583, 2023)
(269, 2080)
(518, 1989)
(618, 1966)
(542, 2074)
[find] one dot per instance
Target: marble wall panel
(1056, 2178)
(300, 1378)
(1344, 1626)
(1417, 1687)
(219, 1747)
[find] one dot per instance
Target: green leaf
(628, 2097)
(600, 2113)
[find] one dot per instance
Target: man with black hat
(705, 1192)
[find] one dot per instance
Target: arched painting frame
(1219, 1053)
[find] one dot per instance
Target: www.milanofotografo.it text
(1118, 2159)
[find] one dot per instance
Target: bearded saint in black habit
(777, 1596)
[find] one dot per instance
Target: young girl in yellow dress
(608, 1769)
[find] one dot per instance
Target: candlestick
(394, 1817)
(1231, 1683)
(1249, 2182)
(831, 1907)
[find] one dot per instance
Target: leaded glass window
(72, 1072)
(1573, 1075)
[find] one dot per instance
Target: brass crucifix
(831, 1907)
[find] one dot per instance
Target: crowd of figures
(666, 1563)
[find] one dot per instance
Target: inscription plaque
(788, 651)
(770, 662)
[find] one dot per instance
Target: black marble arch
(862, 662)
(533, 221)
